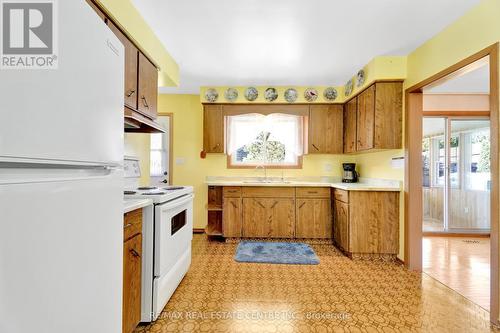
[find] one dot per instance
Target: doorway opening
(161, 152)
(451, 178)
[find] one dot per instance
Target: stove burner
(153, 193)
(147, 188)
(173, 188)
(129, 192)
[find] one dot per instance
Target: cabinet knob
(315, 147)
(130, 93)
(145, 102)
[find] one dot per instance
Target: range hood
(136, 123)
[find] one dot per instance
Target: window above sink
(274, 141)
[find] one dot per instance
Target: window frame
(265, 109)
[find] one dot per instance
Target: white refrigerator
(61, 184)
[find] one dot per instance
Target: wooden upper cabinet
(326, 129)
(366, 119)
(350, 111)
(131, 58)
(98, 11)
(379, 117)
(213, 129)
(388, 115)
(148, 88)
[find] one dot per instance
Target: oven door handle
(177, 202)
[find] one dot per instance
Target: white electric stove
(166, 238)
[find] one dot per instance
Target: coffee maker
(350, 175)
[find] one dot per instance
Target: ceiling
(289, 42)
(476, 81)
(433, 126)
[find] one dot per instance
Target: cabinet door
(213, 129)
(281, 214)
(148, 87)
(341, 225)
(389, 115)
(366, 119)
(326, 129)
(131, 58)
(231, 218)
(314, 218)
(268, 217)
(255, 221)
(132, 251)
(350, 115)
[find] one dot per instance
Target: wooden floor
(339, 295)
(463, 264)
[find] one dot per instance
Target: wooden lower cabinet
(367, 222)
(341, 230)
(269, 217)
(132, 270)
(314, 219)
(232, 217)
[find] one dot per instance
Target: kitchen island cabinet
(366, 222)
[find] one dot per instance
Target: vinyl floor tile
(339, 295)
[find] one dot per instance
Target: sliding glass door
(456, 171)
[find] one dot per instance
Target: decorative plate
(270, 94)
(291, 95)
(330, 94)
(348, 87)
(231, 94)
(211, 95)
(311, 94)
(360, 78)
(251, 94)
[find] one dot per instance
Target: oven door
(173, 233)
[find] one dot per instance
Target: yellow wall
(137, 145)
(380, 68)
(188, 143)
(128, 18)
(476, 30)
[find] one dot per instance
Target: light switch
(398, 163)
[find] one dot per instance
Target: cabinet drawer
(231, 192)
(132, 224)
(268, 192)
(313, 192)
(342, 195)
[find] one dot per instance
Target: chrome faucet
(263, 167)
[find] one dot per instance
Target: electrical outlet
(466, 210)
(328, 167)
(180, 161)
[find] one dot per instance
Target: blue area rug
(276, 253)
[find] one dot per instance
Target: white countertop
(365, 184)
(133, 204)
